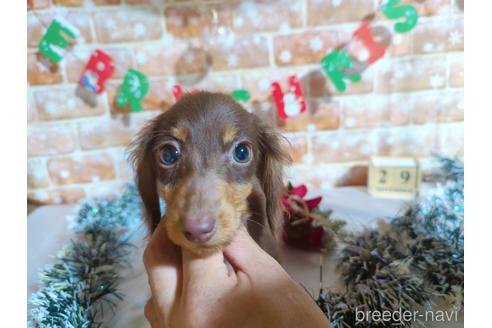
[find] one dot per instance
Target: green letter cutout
(332, 64)
(58, 37)
(391, 11)
(240, 95)
(135, 86)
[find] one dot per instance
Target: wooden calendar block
(391, 177)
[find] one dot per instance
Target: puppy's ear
(273, 157)
(142, 157)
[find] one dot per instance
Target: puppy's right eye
(169, 154)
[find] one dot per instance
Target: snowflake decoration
(110, 24)
(228, 41)
(249, 8)
(170, 83)
(428, 47)
(189, 57)
(51, 108)
(285, 56)
(397, 39)
(139, 30)
(400, 74)
(365, 149)
(167, 39)
(455, 38)
(350, 122)
(41, 195)
(238, 21)
(141, 58)
(436, 81)
(284, 28)
(316, 44)
(232, 60)
(444, 10)
(64, 174)
(264, 84)
(35, 170)
(308, 159)
(71, 104)
(31, 20)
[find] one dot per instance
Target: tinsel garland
(83, 283)
(407, 262)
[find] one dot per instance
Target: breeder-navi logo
(402, 317)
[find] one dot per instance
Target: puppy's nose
(199, 229)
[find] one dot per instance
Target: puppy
(216, 166)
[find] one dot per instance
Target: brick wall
(410, 103)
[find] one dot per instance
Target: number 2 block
(394, 177)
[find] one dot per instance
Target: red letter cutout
(364, 34)
(178, 91)
(99, 68)
(291, 103)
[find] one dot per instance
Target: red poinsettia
(295, 195)
(298, 228)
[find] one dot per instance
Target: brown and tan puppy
(216, 166)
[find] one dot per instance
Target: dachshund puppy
(216, 166)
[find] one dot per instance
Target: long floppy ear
(270, 172)
(141, 156)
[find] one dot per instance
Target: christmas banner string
(97, 71)
(60, 35)
(339, 66)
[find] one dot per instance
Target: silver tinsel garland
(83, 283)
(407, 262)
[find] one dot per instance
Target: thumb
(244, 254)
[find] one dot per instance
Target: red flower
(315, 238)
(300, 191)
(299, 230)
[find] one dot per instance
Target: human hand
(192, 291)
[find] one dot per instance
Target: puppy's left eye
(242, 153)
(169, 154)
